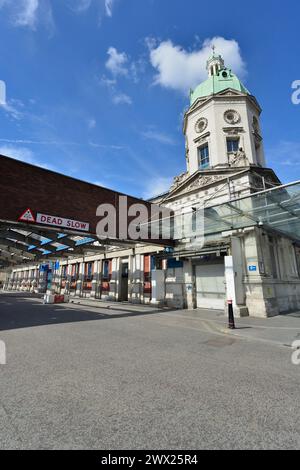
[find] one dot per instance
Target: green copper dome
(220, 81)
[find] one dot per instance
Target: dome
(219, 80)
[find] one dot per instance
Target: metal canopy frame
(277, 209)
(21, 243)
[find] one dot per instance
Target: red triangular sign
(27, 216)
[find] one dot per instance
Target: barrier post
(231, 324)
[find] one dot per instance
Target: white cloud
(19, 153)
(116, 63)
(109, 83)
(117, 96)
(119, 64)
(158, 137)
(156, 186)
(106, 146)
(80, 5)
(121, 98)
(12, 108)
(27, 15)
(24, 154)
(181, 70)
(105, 7)
(36, 142)
(92, 123)
(109, 7)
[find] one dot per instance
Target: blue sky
(96, 89)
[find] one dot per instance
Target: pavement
(138, 377)
(281, 329)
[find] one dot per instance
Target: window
(75, 271)
(232, 145)
(203, 156)
(105, 269)
(89, 267)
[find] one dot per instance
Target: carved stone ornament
(201, 125)
(204, 180)
(238, 159)
(178, 180)
(231, 116)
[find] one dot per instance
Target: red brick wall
(25, 186)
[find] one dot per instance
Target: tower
(222, 124)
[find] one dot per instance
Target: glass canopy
(277, 208)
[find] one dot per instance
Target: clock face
(231, 116)
(201, 125)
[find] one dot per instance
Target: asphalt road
(88, 378)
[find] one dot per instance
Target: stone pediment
(204, 180)
(202, 101)
(184, 183)
(230, 92)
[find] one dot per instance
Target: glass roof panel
(278, 208)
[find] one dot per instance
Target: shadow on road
(21, 311)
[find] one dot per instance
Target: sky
(97, 89)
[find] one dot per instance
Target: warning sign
(62, 222)
(27, 216)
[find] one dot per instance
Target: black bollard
(231, 324)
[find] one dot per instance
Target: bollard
(231, 324)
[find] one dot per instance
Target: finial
(213, 49)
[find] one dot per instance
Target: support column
(234, 272)
(189, 285)
(42, 285)
(34, 284)
(130, 276)
(114, 282)
(137, 279)
(158, 287)
(95, 281)
(68, 278)
(79, 283)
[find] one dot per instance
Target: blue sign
(173, 263)
(252, 268)
(44, 268)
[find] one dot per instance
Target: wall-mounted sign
(26, 216)
(62, 222)
(252, 267)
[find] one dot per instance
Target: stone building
(237, 256)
